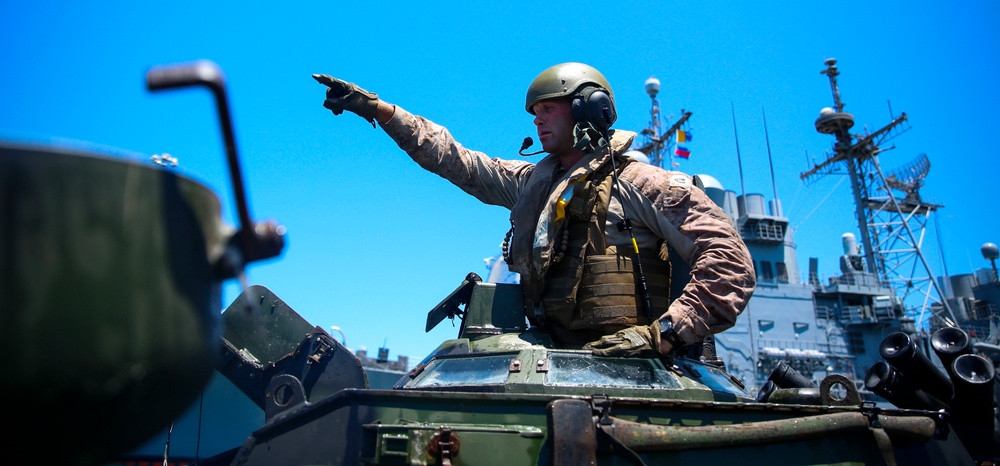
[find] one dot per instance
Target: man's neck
(571, 158)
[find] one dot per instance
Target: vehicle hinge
(444, 446)
(871, 411)
(602, 409)
(320, 349)
(736, 380)
(417, 370)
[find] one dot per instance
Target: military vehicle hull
(501, 393)
(358, 427)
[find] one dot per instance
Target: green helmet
(564, 80)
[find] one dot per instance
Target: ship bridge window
(782, 272)
(799, 327)
(584, 370)
(765, 270)
(481, 370)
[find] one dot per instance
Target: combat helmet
(591, 91)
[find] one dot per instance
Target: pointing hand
(342, 95)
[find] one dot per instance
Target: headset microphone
(526, 144)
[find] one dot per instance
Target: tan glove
(342, 95)
(641, 340)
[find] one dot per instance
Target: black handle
(257, 242)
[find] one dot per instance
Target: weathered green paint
(109, 307)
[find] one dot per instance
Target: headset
(593, 105)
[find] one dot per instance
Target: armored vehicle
(502, 393)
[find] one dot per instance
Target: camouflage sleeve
(668, 205)
(491, 180)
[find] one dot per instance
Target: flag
(680, 149)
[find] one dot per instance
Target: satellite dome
(637, 156)
(826, 111)
(652, 86)
(990, 251)
(850, 244)
(709, 182)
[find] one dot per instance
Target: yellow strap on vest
(591, 289)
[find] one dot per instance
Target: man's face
(554, 122)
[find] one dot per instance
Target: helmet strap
(587, 139)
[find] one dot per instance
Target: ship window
(782, 272)
(587, 371)
(481, 370)
(765, 270)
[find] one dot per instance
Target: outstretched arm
(493, 181)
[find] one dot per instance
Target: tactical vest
(590, 289)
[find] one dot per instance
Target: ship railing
(802, 356)
(977, 331)
(856, 279)
(983, 310)
(826, 312)
(763, 231)
(857, 315)
(796, 348)
(884, 312)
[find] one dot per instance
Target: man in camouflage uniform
(580, 218)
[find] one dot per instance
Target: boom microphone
(526, 144)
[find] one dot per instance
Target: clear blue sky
(374, 242)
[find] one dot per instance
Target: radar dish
(910, 177)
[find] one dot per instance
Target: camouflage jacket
(661, 205)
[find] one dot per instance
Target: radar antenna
(892, 250)
(910, 178)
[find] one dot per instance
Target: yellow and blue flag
(681, 149)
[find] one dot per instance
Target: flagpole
(670, 133)
(671, 152)
(774, 186)
(739, 159)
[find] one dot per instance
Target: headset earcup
(594, 106)
(601, 110)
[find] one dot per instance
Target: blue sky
(374, 241)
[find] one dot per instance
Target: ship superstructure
(885, 284)
(892, 227)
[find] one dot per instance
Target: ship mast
(658, 144)
(891, 249)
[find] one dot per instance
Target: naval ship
(841, 325)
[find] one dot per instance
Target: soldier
(584, 223)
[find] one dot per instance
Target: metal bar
(645, 438)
